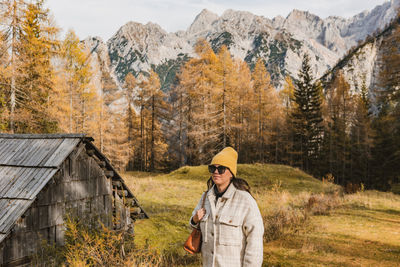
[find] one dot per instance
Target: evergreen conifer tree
(306, 118)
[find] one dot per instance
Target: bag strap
(204, 199)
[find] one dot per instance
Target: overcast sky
(104, 17)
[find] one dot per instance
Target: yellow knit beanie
(228, 158)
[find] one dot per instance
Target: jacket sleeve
(194, 212)
(253, 229)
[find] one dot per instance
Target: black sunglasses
(212, 168)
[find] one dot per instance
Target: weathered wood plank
(16, 182)
(29, 147)
(10, 211)
(6, 174)
(2, 236)
(42, 181)
(14, 148)
(62, 152)
(35, 149)
(55, 144)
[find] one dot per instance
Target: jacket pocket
(203, 227)
(230, 231)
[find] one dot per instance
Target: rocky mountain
(362, 64)
(281, 42)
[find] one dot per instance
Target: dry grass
(89, 243)
(307, 222)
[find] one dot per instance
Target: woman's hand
(199, 215)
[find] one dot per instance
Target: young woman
(230, 222)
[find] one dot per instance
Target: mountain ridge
(281, 42)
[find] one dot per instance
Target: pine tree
(306, 117)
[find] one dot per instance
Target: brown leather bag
(193, 242)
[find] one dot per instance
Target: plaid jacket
(232, 230)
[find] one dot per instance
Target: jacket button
(216, 217)
(212, 234)
(230, 221)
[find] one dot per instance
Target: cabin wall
(80, 188)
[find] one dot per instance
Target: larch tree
(340, 110)
(386, 151)
(131, 118)
(202, 130)
(36, 73)
(225, 85)
(287, 95)
(140, 101)
(361, 140)
(83, 100)
(11, 17)
(265, 104)
(242, 110)
(4, 85)
(158, 110)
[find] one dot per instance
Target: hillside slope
(308, 222)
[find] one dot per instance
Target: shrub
(293, 214)
(322, 204)
(283, 220)
(93, 244)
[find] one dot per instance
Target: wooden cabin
(44, 177)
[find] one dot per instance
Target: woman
(230, 222)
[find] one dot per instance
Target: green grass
(363, 230)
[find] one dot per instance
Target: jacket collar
(228, 194)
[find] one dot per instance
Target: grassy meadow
(307, 222)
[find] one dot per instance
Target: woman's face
(221, 180)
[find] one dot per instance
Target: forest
(48, 85)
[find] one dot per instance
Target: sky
(103, 18)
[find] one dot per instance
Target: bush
(289, 218)
(93, 244)
(322, 204)
(283, 220)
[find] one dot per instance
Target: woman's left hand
(199, 215)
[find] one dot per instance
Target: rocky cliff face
(281, 42)
(362, 64)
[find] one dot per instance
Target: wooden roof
(28, 162)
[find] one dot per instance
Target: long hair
(239, 183)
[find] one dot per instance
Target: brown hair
(239, 183)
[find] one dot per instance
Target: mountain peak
(202, 21)
(297, 14)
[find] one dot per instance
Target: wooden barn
(44, 177)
